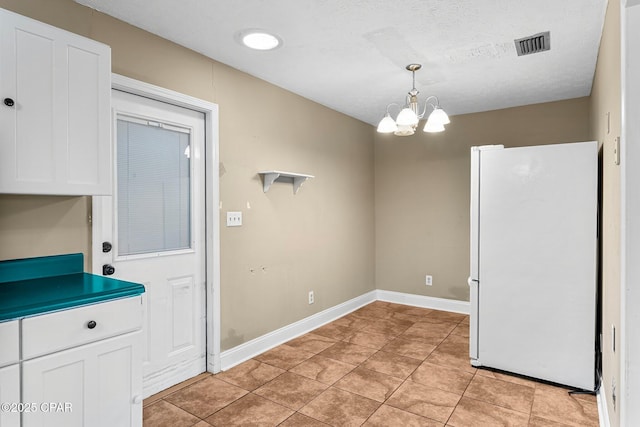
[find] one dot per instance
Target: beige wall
(45, 225)
(321, 239)
(422, 191)
(606, 101)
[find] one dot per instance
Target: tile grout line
(465, 389)
(177, 389)
(217, 410)
(182, 409)
(535, 387)
(368, 358)
(412, 372)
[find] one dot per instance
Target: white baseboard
(603, 412)
(246, 351)
(454, 306)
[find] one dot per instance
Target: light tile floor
(382, 365)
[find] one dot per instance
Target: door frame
(211, 202)
(630, 213)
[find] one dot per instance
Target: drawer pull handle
(91, 324)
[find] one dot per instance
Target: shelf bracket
(297, 183)
(269, 178)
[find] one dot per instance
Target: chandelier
(407, 121)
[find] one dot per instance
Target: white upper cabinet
(55, 135)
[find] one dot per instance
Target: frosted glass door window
(154, 188)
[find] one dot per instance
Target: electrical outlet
(311, 299)
(234, 219)
(428, 280)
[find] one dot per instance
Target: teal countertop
(39, 285)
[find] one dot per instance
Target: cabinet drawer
(9, 337)
(70, 328)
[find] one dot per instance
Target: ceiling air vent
(533, 44)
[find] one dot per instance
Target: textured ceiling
(350, 55)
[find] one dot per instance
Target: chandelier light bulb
(387, 125)
(407, 117)
(439, 116)
(432, 126)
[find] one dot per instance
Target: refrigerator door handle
(474, 208)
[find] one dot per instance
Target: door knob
(108, 270)
(8, 102)
(106, 247)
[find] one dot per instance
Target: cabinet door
(10, 339)
(9, 393)
(98, 384)
(55, 137)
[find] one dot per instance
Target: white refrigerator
(533, 278)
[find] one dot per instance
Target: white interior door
(154, 223)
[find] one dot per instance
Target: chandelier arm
(427, 103)
(435, 97)
(393, 103)
(424, 110)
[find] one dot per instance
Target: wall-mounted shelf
(297, 178)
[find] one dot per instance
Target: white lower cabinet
(80, 367)
(98, 384)
(10, 395)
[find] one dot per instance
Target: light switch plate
(234, 219)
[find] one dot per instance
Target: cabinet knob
(91, 324)
(9, 102)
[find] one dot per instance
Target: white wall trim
(423, 301)
(629, 391)
(246, 351)
(212, 197)
(603, 413)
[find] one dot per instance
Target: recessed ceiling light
(259, 40)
